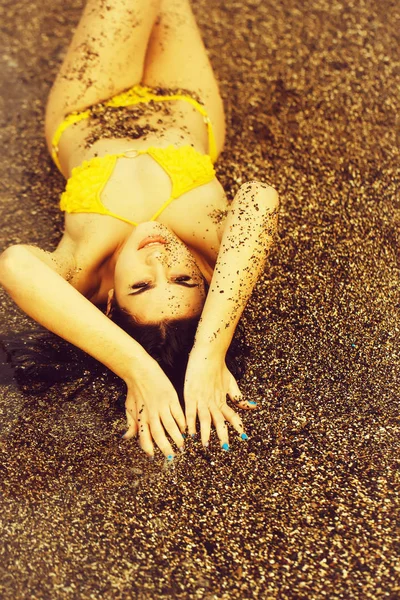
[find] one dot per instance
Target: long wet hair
(39, 359)
(169, 342)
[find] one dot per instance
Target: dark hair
(38, 359)
(41, 359)
(169, 342)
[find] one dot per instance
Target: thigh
(176, 57)
(106, 56)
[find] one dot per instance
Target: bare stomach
(137, 127)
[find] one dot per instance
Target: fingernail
(184, 436)
(150, 456)
(206, 445)
(170, 457)
(252, 402)
(225, 447)
(182, 449)
(244, 436)
(123, 435)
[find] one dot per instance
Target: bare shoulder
(198, 217)
(92, 240)
(61, 261)
(84, 250)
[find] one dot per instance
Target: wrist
(215, 342)
(140, 367)
(207, 351)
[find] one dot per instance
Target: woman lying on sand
(134, 122)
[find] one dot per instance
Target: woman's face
(156, 276)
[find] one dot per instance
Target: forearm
(248, 235)
(46, 297)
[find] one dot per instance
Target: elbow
(11, 262)
(6, 260)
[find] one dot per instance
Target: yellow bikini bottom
(186, 167)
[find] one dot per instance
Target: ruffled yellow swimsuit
(186, 167)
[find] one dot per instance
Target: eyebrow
(151, 286)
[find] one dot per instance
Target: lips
(152, 240)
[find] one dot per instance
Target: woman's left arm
(249, 233)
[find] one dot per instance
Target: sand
(308, 507)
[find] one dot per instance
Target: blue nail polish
(244, 436)
(252, 402)
(184, 436)
(170, 457)
(225, 447)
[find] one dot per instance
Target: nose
(156, 256)
(158, 261)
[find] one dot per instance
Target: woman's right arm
(41, 292)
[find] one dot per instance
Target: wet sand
(308, 507)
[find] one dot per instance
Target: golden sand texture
(308, 508)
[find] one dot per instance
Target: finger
(132, 425)
(234, 390)
(145, 439)
(236, 396)
(221, 428)
(234, 419)
(205, 425)
(191, 418)
(173, 430)
(131, 417)
(159, 437)
(245, 404)
(179, 416)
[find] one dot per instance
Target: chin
(151, 225)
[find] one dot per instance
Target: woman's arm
(248, 235)
(41, 292)
(46, 297)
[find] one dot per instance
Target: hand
(207, 384)
(152, 409)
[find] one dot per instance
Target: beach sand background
(308, 507)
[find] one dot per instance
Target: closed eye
(182, 278)
(142, 286)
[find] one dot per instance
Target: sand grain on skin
(308, 508)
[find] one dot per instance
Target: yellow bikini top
(186, 167)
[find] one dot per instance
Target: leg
(176, 57)
(106, 56)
